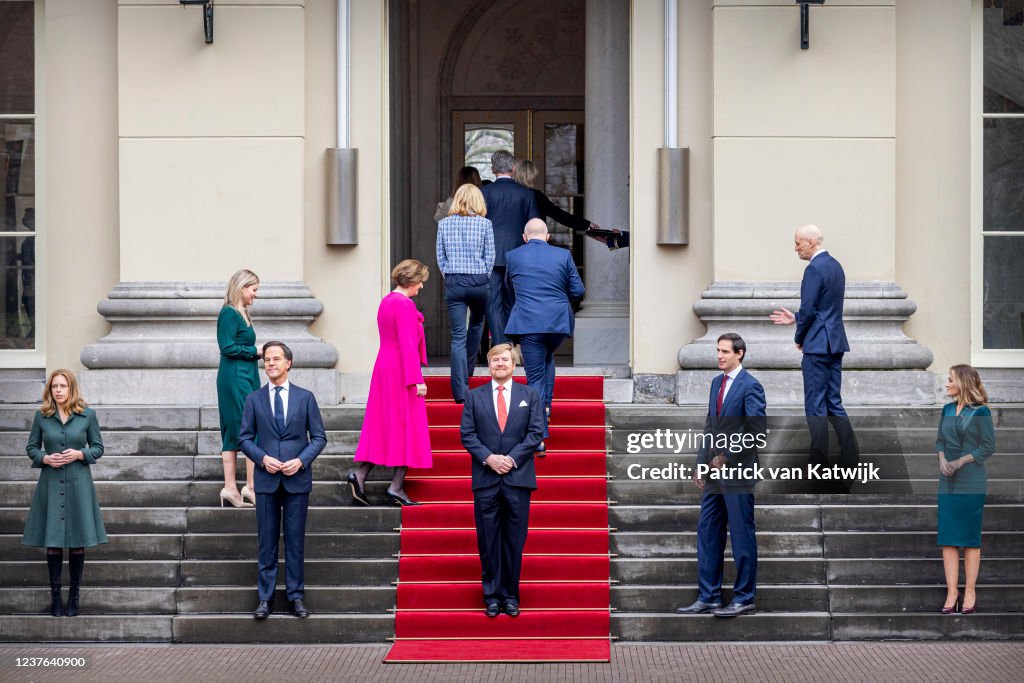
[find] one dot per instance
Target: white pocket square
(524, 404)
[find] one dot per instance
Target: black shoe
(262, 610)
(512, 609)
(358, 493)
(541, 450)
(699, 607)
(56, 606)
(493, 609)
(734, 609)
(298, 609)
(72, 609)
(401, 500)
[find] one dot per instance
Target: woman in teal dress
(237, 377)
(64, 442)
(966, 439)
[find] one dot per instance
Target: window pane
(1004, 293)
(484, 139)
(17, 172)
(562, 176)
(17, 291)
(1003, 203)
(17, 57)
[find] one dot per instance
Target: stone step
(637, 518)
(911, 517)
(317, 546)
(127, 547)
(882, 626)
(282, 628)
(115, 468)
(148, 628)
(668, 627)
(919, 571)
(94, 600)
(666, 571)
(646, 544)
(924, 599)
(119, 443)
(216, 520)
(165, 520)
(914, 544)
(105, 573)
(770, 598)
(332, 599)
(332, 572)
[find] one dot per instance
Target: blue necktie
(279, 409)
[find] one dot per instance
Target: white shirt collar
(820, 251)
(507, 385)
(284, 387)
(736, 371)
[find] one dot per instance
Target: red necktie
(502, 409)
(721, 393)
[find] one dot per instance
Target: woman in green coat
(965, 441)
(65, 440)
(237, 377)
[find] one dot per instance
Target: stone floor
(762, 662)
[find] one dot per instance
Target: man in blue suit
(735, 424)
(282, 432)
(545, 280)
(821, 337)
(502, 423)
(509, 206)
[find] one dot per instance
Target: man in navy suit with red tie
(736, 422)
(502, 424)
(821, 336)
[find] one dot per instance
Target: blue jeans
(462, 292)
(499, 306)
(539, 364)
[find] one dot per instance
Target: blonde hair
(968, 382)
(409, 272)
(501, 348)
(468, 200)
(75, 403)
(524, 172)
(233, 296)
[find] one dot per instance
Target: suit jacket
(819, 322)
(509, 206)
(303, 438)
(544, 279)
(524, 431)
(743, 414)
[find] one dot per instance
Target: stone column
(602, 326)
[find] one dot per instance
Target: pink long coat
(395, 426)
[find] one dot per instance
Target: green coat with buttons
(65, 512)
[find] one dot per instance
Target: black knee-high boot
(53, 563)
(76, 563)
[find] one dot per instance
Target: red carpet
(565, 613)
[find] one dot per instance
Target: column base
(602, 334)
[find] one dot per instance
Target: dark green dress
(65, 512)
(238, 374)
(962, 496)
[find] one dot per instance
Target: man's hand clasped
(288, 468)
(501, 464)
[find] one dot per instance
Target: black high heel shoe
(401, 500)
(358, 493)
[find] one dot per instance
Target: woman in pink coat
(394, 430)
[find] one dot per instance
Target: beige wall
(933, 173)
(79, 173)
(350, 281)
(665, 281)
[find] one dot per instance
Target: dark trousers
(502, 514)
(464, 292)
(823, 404)
(718, 511)
(270, 508)
(539, 364)
(499, 306)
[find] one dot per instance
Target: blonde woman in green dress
(237, 377)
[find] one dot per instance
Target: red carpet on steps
(565, 597)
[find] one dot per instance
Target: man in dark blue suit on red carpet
(545, 281)
(821, 336)
(502, 423)
(735, 425)
(283, 433)
(509, 207)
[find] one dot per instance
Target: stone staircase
(831, 567)
(179, 569)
